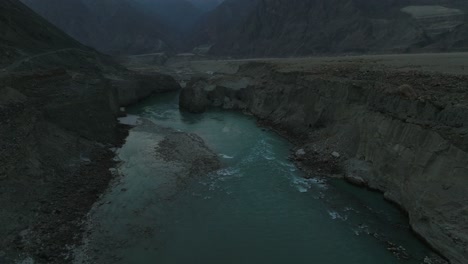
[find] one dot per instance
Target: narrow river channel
(256, 209)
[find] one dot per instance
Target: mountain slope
(221, 22)
(206, 5)
(278, 27)
(113, 27)
(21, 37)
(177, 15)
(296, 28)
(59, 102)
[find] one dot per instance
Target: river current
(257, 209)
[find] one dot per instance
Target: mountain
(206, 5)
(296, 27)
(21, 37)
(113, 27)
(59, 103)
(221, 22)
(177, 15)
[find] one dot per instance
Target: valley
(206, 131)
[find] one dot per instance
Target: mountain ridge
(303, 28)
(112, 27)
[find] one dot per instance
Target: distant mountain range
(177, 15)
(259, 28)
(121, 26)
(206, 5)
(253, 28)
(221, 22)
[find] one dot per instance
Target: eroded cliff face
(57, 129)
(58, 123)
(403, 133)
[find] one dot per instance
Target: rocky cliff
(59, 103)
(400, 132)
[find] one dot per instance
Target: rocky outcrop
(194, 99)
(410, 143)
(140, 86)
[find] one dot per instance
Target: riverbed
(256, 209)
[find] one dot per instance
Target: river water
(256, 209)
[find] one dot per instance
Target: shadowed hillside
(222, 22)
(295, 28)
(177, 15)
(206, 5)
(22, 37)
(59, 103)
(113, 27)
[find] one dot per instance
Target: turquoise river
(257, 209)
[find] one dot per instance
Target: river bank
(399, 130)
(57, 135)
(257, 202)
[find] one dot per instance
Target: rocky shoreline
(57, 132)
(166, 161)
(399, 132)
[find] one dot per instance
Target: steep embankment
(59, 102)
(401, 132)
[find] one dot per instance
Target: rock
(336, 154)
(427, 260)
(405, 91)
(337, 176)
(356, 180)
(300, 152)
(11, 96)
(132, 88)
(193, 98)
(188, 149)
